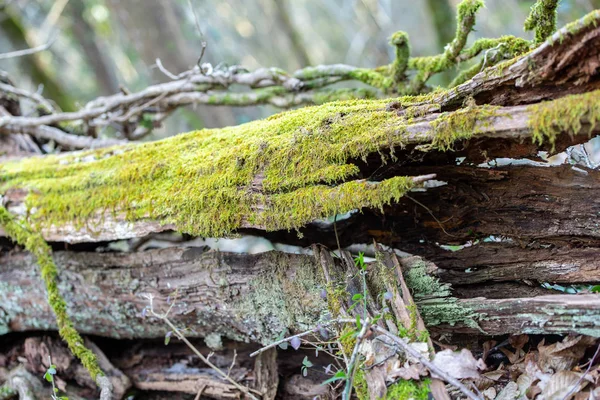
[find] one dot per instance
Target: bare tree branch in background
(134, 115)
(26, 52)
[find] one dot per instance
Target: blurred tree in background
(103, 46)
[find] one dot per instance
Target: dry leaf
(459, 365)
(489, 394)
(513, 357)
(563, 355)
(561, 384)
(406, 372)
(518, 341)
(509, 392)
(487, 346)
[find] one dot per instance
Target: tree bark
(246, 298)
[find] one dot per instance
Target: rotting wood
(219, 301)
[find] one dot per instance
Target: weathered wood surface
(544, 218)
(568, 66)
(234, 296)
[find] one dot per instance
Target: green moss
(35, 244)
(278, 173)
(435, 301)
(510, 45)
(427, 66)
(542, 19)
(409, 389)
(460, 125)
(401, 42)
(551, 118)
(347, 339)
(336, 298)
(590, 19)
(360, 385)
(372, 77)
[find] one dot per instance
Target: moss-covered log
(302, 165)
(249, 298)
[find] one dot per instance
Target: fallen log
(307, 164)
(250, 298)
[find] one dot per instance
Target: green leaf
(340, 375)
(359, 261)
(595, 289)
(306, 362)
(357, 297)
(347, 335)
(48, 377)
(147, 121)
(358, 324)
(283, 345)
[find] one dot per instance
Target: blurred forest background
(102, 46)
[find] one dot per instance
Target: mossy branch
(35, 244)
(542, 19)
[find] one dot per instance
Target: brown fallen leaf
(405, 372)
(563, 355)
(563, 385)
(459, 365)
(487, 347)
(518, 341)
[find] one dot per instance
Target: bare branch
(33, 50)
(35, 97)
(45, 132)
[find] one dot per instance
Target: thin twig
(165, 71)
(33, 50)
(431, 366)
(64, 139)
(35, 97)
(181, 337)
(352, 364)
(203, 42)
(278, 342)
(568, 395)
(430, 213)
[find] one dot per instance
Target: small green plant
(49, 376)
(306, 364)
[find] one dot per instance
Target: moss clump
(460, 125)
(401, 42)
(409, 389)
(542, 19)
(336, 298)
(593, 18)
(348, 339)
(549, 119)
(360, 385)
(36, 245)
(435, 301)
(278, 173)
(467, 9)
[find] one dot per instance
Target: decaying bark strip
(244, 297)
